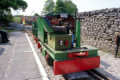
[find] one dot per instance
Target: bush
(6, 18)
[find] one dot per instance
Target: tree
(70, 6)
(60, 6)
(6, 18)
(48, 7)
(36, 14)
(14, 4)
(5, 8)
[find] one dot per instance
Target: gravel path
(109, 65)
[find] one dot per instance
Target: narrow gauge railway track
(97, 75)
(92, 75)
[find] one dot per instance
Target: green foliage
(70, 6)
(14, 4)
(60, 6)
(6, 18)
(5, 9)
(36, 14)
(48, 7)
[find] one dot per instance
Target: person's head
(34, 19)
(117, 33)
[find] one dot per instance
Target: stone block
(118, 15)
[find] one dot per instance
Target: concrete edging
(40, 66)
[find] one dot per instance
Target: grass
(9, 31)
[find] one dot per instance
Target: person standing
(117, 42)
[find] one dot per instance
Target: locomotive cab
(61, 22)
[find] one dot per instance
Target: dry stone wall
(99, 28)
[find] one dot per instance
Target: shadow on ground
(108, 74)
(1, 51)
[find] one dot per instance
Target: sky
(36, 6)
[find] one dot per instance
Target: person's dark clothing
(4, 36)
(117, 44)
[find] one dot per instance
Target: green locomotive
(58, 36)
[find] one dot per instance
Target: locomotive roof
(58, 13)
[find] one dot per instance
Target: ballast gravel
(109, 65)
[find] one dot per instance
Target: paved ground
(16, 59)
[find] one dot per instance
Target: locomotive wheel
(49, 60)
(40, 49)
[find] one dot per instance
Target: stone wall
(99, 28)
